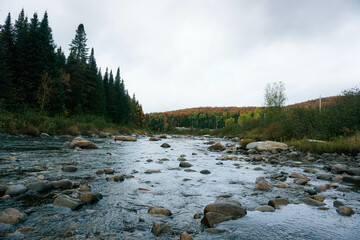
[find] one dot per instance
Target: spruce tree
(111, 103)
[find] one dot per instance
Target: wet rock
(345, 211)
(257, 158)
(271, 146)
(181, 159)
(85, 188)
(353, 171)
(109, 171)
(258, 169)
(231, 210)
(163, 136)
(252, 145)
(322, 188)
(337, 179)
(79, 142)
(319, 198)
(68, 202)
(125, 138)
(265, 208)
(12, 216)
(189, 170)
(325, 177)
(197, 216)
(165, 145)
(262, 184)
(312, 202)
(150, 171)
(15, 190)
(159, 211)
(310, 170)
(39, 187)
(277, 202)
(3, 189)
(159, 227)
(88, 198)
(62, 184)
(302, 180)
(154, 139)
(103, 134)
(185, 164)
(119, 178)
(310, 191)
(217, 147)
(282, 185)
(212, 218)
(205, 171)
(337, 204)
(339, 168)
(99, 172)
(215, 231)
(185, 236)
(69, 168)
(295, 175)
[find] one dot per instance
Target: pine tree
(111, 103)
(118, 97)
(78, 45)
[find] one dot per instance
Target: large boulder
(221, 211)
(217, 147)
(125, 138)
(271, 146)
(79, 142)
(12, 216)
(252, 145)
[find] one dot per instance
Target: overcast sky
(178, 54)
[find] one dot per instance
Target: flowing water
(122, 212)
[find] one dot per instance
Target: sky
(176, 54)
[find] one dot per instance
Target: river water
(122, 212)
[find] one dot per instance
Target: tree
(78, 45)
(275, 94)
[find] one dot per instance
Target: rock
(302, 180)
(312, 202)
(119, 178)
(325, 177)
(88, 198)
(345, 211)
(109, 171)
(160, 211)
(15, 190)
(79, 142)
(163, 136)
(217, 147)
(271, 146)
(165, 145)
(338, 204)
(181, 159)
(149, 171)
(3, 189)
(85, 188)
(310, 170)
(257, 158)
(98, 172)
(295, 175)
(205, 171)
(185, 236)
(321, 188)
(319, 198)
(63, 184)
(68, 202)
(265, 208)
(339, 168)
(12, 216)
(154, 139)
(39, 187)
(69, 168)
(262, 184)
(212, 218)
(159, 227)
(125, 138)
(353, 171)
(252, 145)
(185, 164)
(189, 170)
(231, 210)
(277, 202)
(103, 134)
(282, 185)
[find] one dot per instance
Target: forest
(36, 78)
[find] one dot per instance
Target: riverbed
(122, 213)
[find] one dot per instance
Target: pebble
(185, 164)
(160, 211)
(312, 202)
(345, 211)
(165, 145)
(205, 171)
(109, 171)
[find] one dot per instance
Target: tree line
(35, 74)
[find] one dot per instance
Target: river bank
(146, 175)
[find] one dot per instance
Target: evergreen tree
(118, 97)
(111, 103)
(78, 45)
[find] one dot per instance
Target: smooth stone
(119, 178)
(271, 146)
(79, 142)
(302, 180)
(39, 186)
(217, 147)
(63, 184)
(125, 138)
(185, 164)
(319, 198)
(3, 189)
(68, 202)
(69, 168)
(12, 216)
(212, 218)
(262, 185)
(205, 171)
(310, 170)
(345, 211)
(215, 230)
(103, 134)
(159, 227)
(337, 204)
(165, 145)
(282, 185)
(185, 236)
(88, 198)
(339, 168)
(181, 159)
(160, 211)
(109, 171)
(189, 170)
(322, 188)
(353, 171)
(154, 139)
(234, 211)
(325, 177)
(277, 202)
(149, 171)
(85, 188)
(295, 175)
(15, 190)
(312, 202)
(265, 208)
(252, 145)
(98, 172)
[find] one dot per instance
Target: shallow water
(28, 159)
